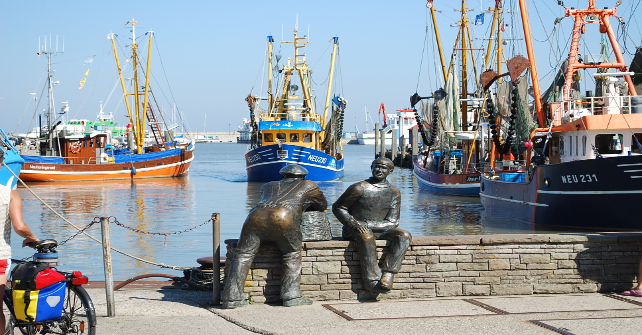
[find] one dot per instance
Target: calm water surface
(216, 183)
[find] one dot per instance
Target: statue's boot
(374, 286)
(386, 280)
(234, 304)
(297, 302)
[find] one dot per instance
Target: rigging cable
(423, 52)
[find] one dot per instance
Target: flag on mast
(479, 19)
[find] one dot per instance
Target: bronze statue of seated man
(369, 210)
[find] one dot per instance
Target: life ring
(75, 147)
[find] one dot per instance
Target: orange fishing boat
(150, 150)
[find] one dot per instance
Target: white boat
(402, 121)
(245, 132)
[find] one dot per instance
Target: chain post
(216, 259)
(109, 276)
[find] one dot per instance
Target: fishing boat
(584, 160)
(455, 137)
(12, 162)
(61, 154)
(289, 130)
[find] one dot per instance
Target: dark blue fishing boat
(290, 130)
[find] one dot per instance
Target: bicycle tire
(78, 317)
(77, 312)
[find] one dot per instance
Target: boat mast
(335, 41)
(498, 40)
(122, 78)
(301, 67)
(465, 41)
(139, 133)
(146, 108)
(50, 96)
(269, 90)
(438, 38)
(541, 118)
(579, 16)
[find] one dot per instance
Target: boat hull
(9, 173)
(169, 166)
(369, 139)
(264, 163)
(459, 184)
(596, 194)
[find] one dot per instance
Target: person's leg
(291, 244)
(291, 281)
(233, 292)
(637, 289)
(367, 250)
(4, 274)
(399, 243)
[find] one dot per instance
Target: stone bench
(469, 265)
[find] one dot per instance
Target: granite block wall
(469, 265)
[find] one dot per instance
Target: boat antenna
(44, 49)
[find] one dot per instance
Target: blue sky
(212, 52)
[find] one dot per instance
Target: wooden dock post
(415, 140)
(402, 148)
(382, 148)
(376, 133)
(109, 274)
(393, 146)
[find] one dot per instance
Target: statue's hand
(362, 229)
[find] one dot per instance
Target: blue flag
(479, 19)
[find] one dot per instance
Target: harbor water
(156, 216)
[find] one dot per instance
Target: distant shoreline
(227, 137)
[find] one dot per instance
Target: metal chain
(180, 268)
(158, 233)
(80, 231)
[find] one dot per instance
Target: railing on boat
(569, 110)
(291, 115)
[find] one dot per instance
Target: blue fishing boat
(289, 130)
(12, 164)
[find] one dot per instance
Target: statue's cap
(293, 170)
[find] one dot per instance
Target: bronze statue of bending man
(277, 218)
(369, 210)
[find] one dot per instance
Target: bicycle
(78, 313)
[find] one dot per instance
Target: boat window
(280, 136)
(570, 145)
(584, 145)
(267, 137)
(636, 144)
(307, 137)
(609, 143)
(577, 145)
(562, 145)
(294, 137)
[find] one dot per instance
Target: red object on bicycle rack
(78, 278)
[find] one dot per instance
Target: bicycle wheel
(78, 315)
